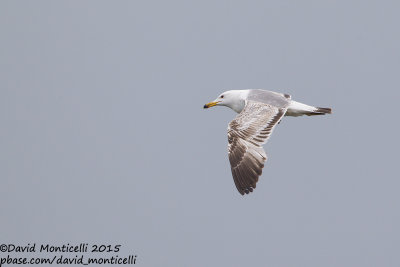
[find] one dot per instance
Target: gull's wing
(268, 97)
(246, 134)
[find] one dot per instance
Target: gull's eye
(222, 96)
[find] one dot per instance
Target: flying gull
(259, 112)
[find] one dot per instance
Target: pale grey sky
(104, 140)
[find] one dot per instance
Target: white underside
(298, 109)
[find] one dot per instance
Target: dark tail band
(319, 111)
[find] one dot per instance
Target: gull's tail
(298, 109)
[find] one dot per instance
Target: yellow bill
(211, 104)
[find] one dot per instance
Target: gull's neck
(240, 101)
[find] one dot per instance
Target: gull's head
(234, 99)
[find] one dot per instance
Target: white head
(234, 99)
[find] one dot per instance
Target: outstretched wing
(246, 135)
